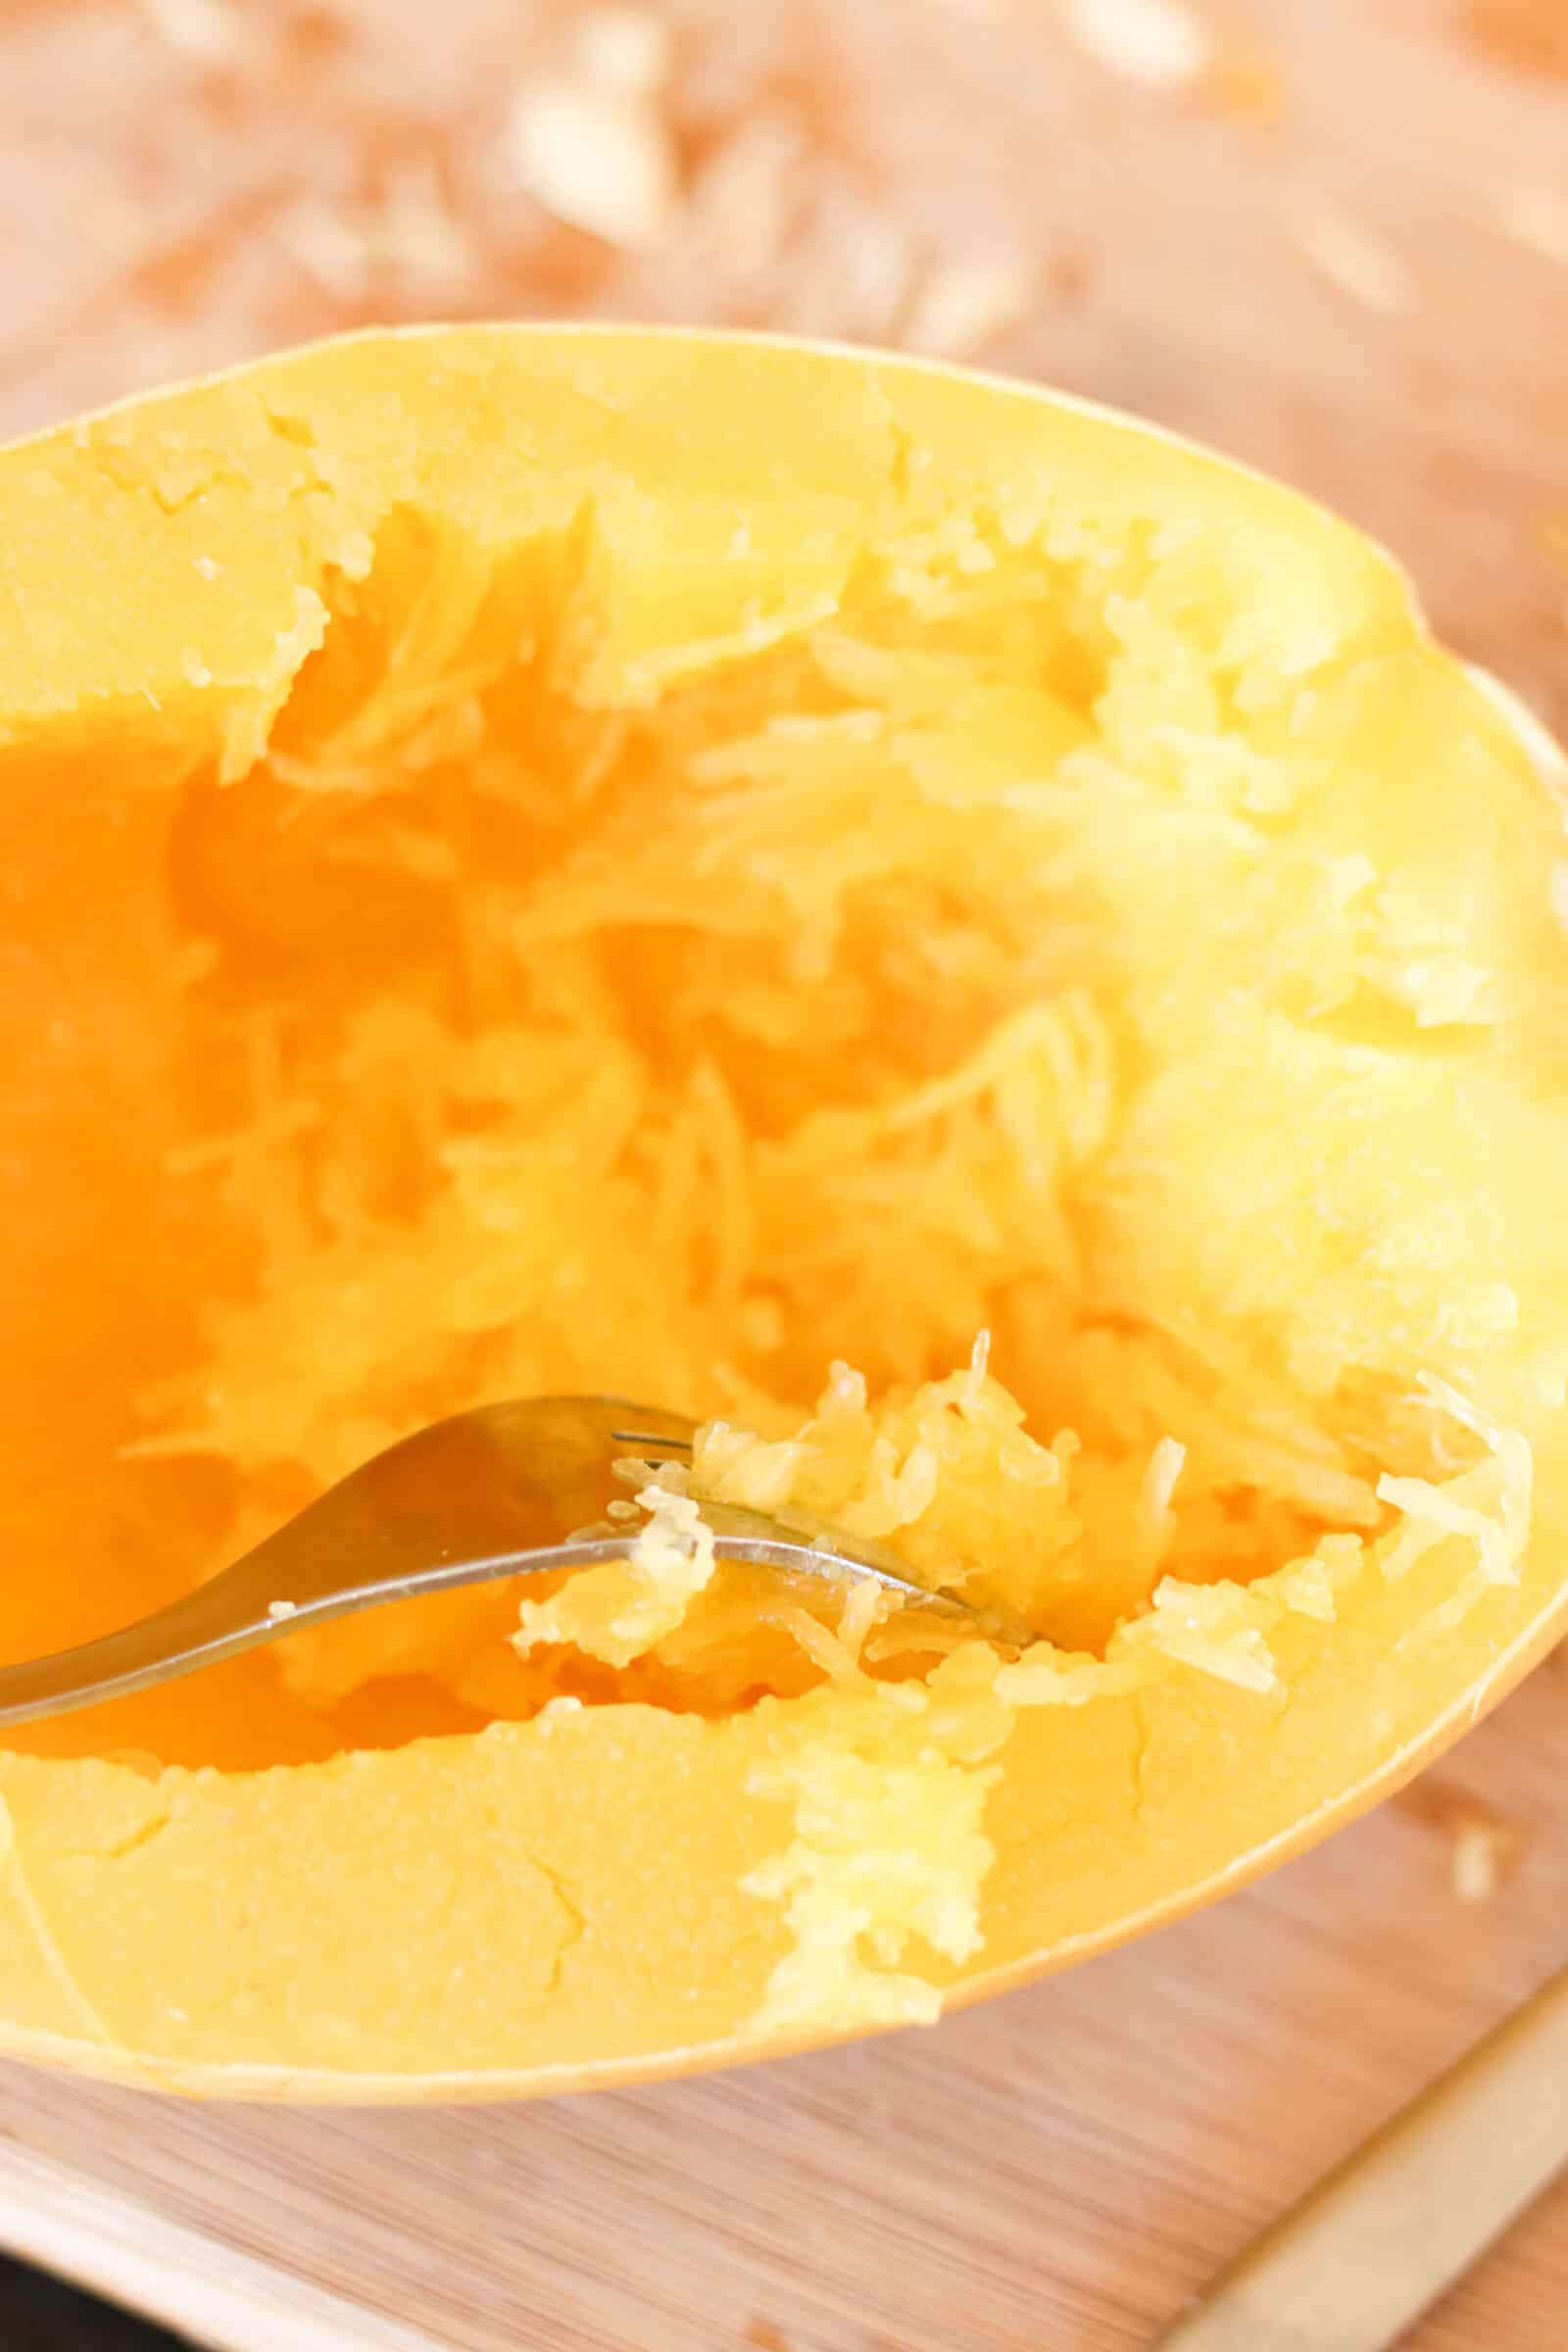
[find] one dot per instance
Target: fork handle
(236, 1610)
(213, 1622)
(1369, 2250)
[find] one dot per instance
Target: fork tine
(479, 1496)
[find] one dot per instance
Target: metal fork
(508, 1490)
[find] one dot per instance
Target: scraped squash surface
(979, 950)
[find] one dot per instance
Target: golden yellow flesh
(559, 859)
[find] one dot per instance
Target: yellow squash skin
(550, 1905)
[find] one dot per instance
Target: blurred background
(1330, 236)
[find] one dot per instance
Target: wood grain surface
(1051, 2172)
(1330, 235)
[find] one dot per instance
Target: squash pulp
(979, 950)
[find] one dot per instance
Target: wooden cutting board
(1054, 2172)
(1331, 237)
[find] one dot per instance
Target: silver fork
(508, 1490)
